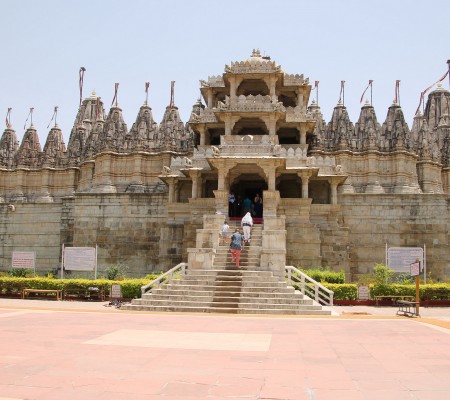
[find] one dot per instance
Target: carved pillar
(233, 86)
(333, 185)
(194, 175)
(210, 98)
(228, 127)
(171, 183)
(271, 179)
(299, 98)
(302, 130)
(202, 130)
(305, 184)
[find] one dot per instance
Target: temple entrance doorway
(247, 188)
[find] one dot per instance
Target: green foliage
(345, 291)
(383, 274)
(439, 291)
(325, 275)
(22, 272)
(116, 272)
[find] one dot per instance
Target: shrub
(383, 274)
(116, 272)
(346, 291)
(325, 275)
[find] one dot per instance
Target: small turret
(395, 133)
(340, 130)
(8, 148)
(53, 154)
(144, 132)
(367, 129)
(29, 152)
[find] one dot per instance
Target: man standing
(237, 242)
(231, 200)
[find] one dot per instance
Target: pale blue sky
(45, 42)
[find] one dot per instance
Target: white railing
(308, 286)
(167, 277)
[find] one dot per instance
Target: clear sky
(44, 43)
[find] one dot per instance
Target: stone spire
(367, 129)
(54, 151)
(8, 148)
(415, 142)
(172, 132)
(438, 104)
(315, 113)
(114, 135)
(29, 152)
(92, 144)
(395, 133)
(144, 132)
(90, 112)
(340, 131)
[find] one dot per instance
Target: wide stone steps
(229, 290)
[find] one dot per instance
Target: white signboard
(401, 258)
(116, 292)
(363, 293)
(79, 258)
(23, 259)
(415, 269)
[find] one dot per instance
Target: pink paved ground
(64, 355)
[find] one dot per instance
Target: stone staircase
(228, 289)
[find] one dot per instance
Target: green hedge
(433, 291)
(131, 288)
(345, 291)
(323, 275)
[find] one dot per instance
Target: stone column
(333, 185)
(305, 184)
(299, 99)
(271, 179)
(171, 183)
(194, 176)
(233, 87)
(302, 130)
(202, 130)
(228, 127)
(210, 98)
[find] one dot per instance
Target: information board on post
(415, 269)
(115, 292)
(23, 259)
(80, 259)
(400, 259)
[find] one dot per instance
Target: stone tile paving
(49, 350)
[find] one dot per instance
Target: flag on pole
(397, 92)
(97, 108)
(80, 83)
(172, 93)
(30, 114)
(116, 89)
(55, 113)
(422, 94)
(147, 85)
(342, 93)
(8, 118)
(365, 90)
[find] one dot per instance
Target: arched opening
(289, 186)
(288, 99)
(250, 126)
(288, 136)
(252, 87)
(214, 136)
(319, 191)
(246, 181)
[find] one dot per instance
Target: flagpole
(371, 104)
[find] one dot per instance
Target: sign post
(415, 271)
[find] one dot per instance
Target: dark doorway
(249, 186)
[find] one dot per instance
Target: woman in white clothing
(247, 223)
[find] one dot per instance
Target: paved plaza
(84, 350)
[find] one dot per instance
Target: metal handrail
(167, 277)
(308, 286)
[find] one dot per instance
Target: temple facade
(333, 194)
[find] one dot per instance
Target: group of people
(237, 207)
(237, 240)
